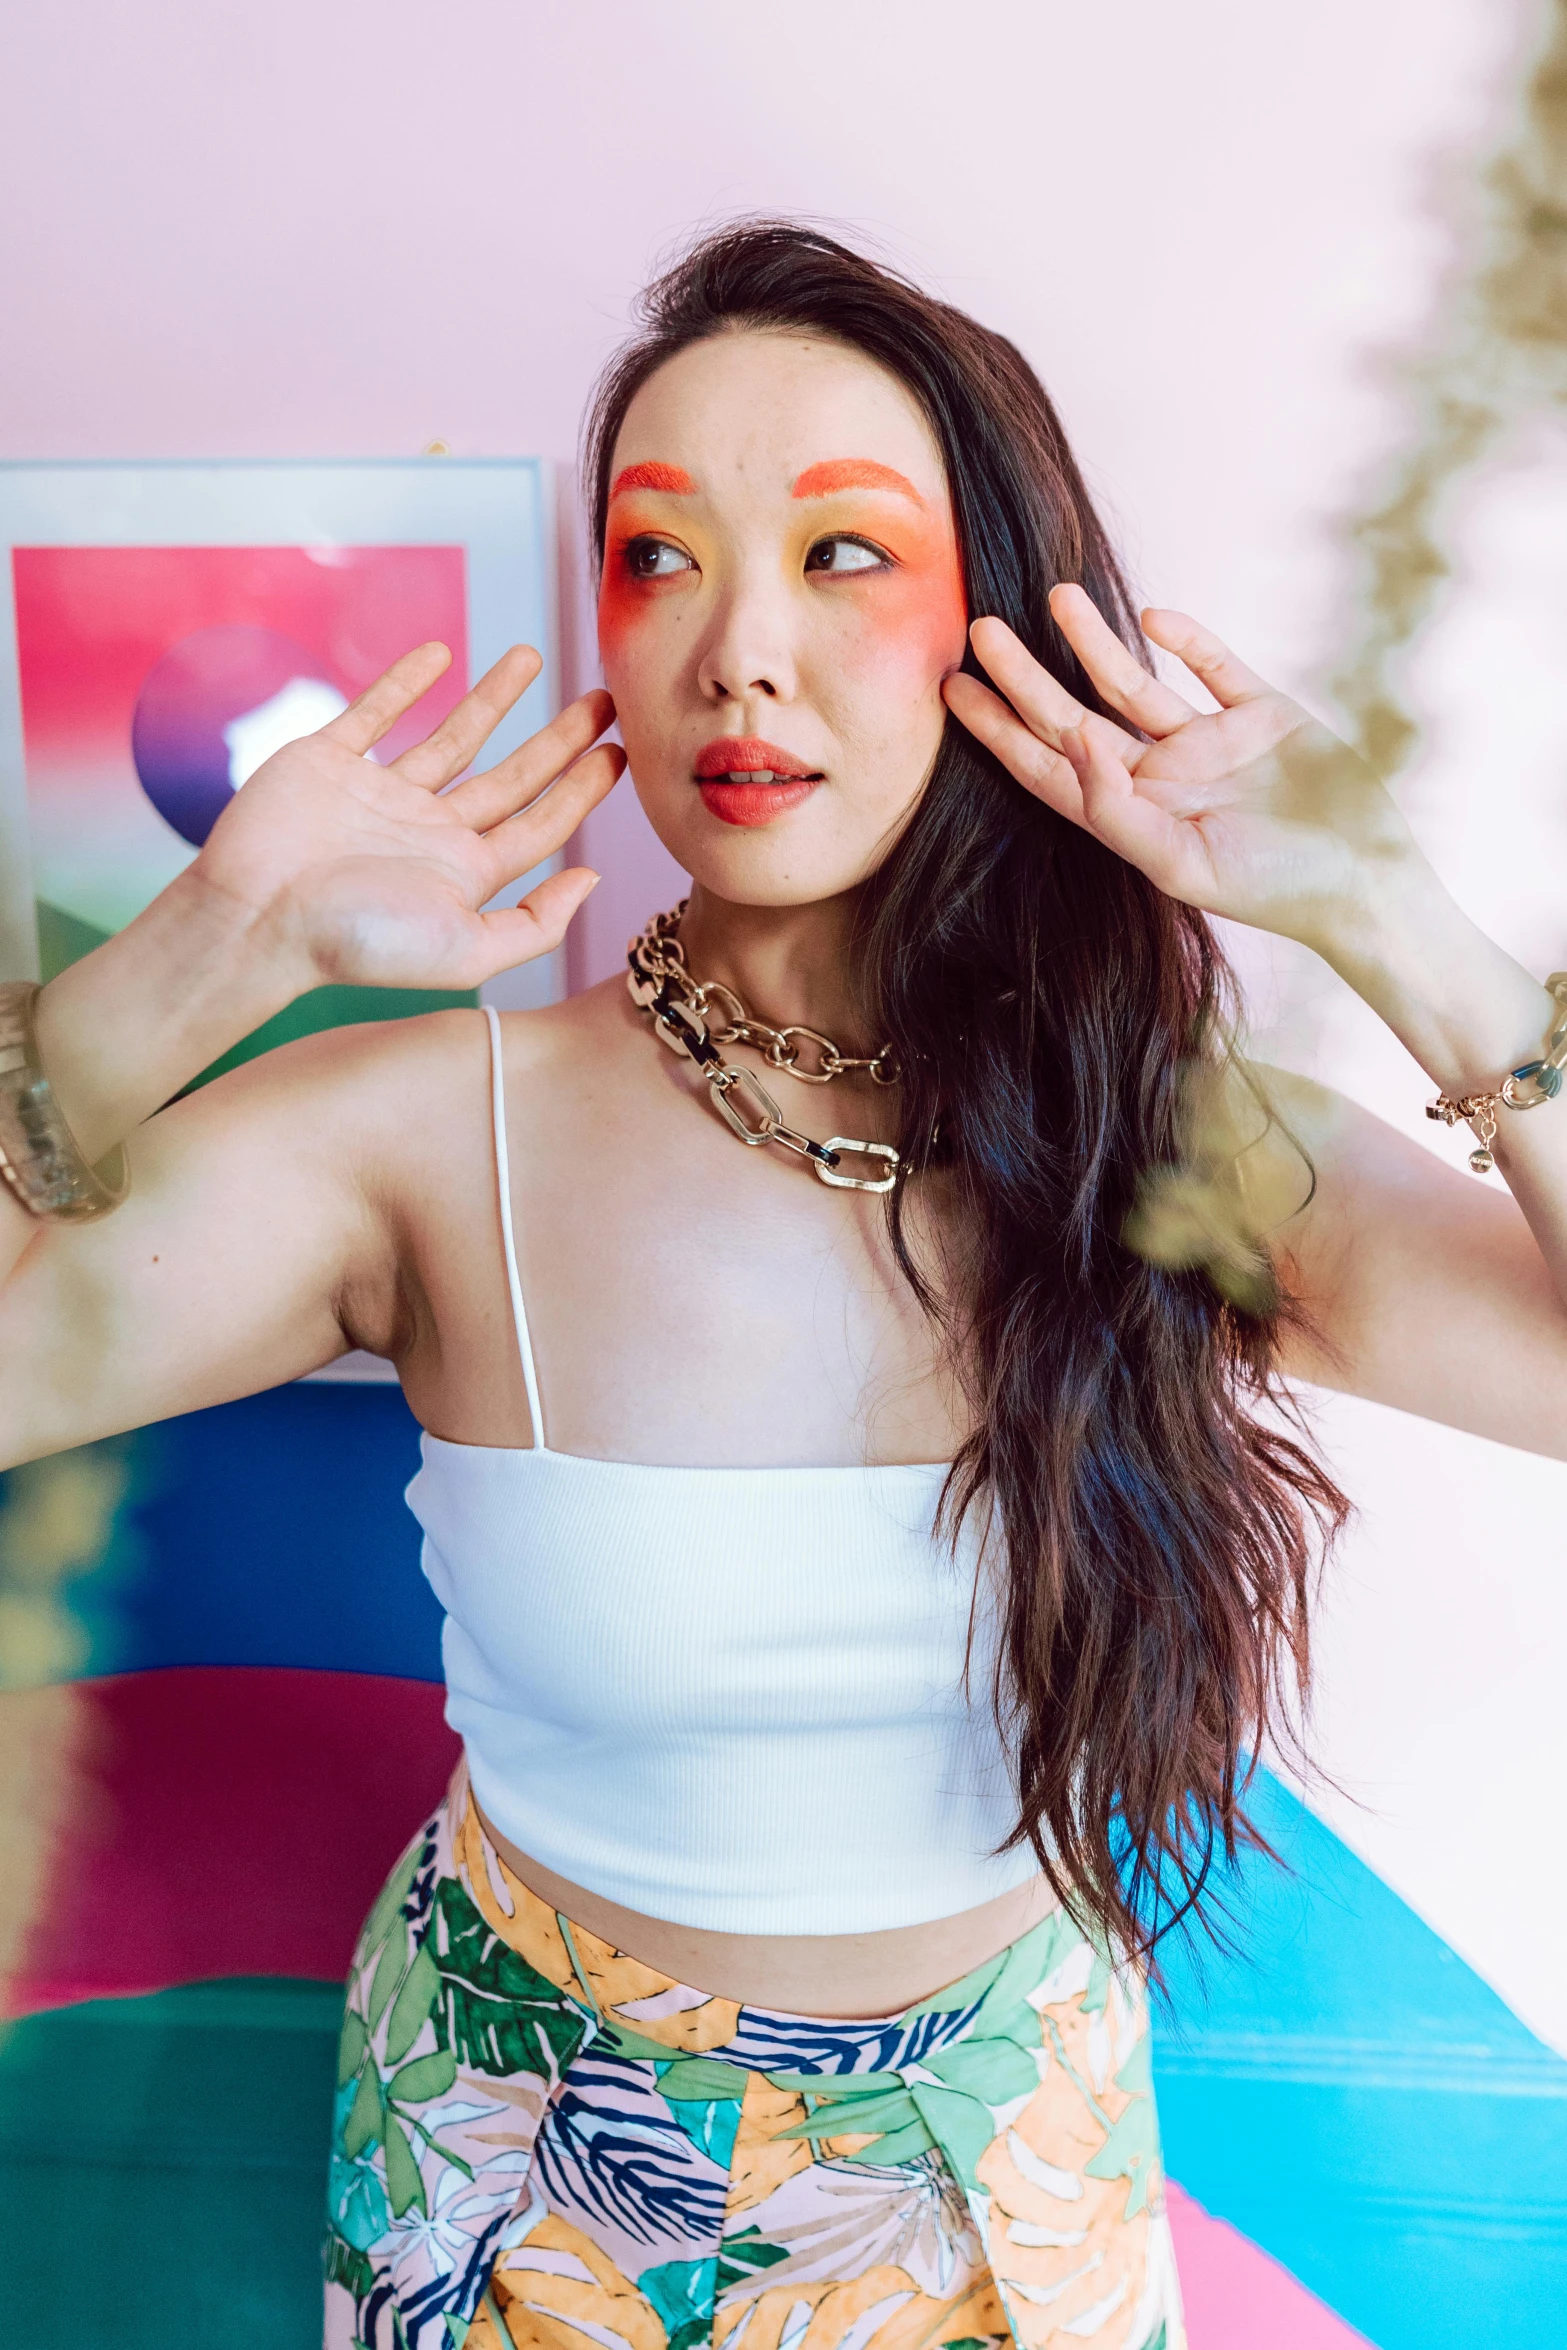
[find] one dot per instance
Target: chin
(796, 860)
(756, 872)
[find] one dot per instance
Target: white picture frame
(499, 510)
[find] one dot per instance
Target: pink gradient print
(221, 626)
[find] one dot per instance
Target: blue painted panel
(269, 1532)
(1357, 2100)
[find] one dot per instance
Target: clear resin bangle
(40, 1161)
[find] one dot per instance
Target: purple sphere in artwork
(213, 708)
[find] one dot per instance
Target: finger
(1034, 764)
(1122, 680)
(1039, 699)
(1206, 656)
(464, 731)
(520, 933)
(521, 842)
(381, 705)
(1146, 835)
(502, 790)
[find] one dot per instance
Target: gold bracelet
(40, 1159)
(1524, 1088)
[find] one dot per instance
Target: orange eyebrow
(853, 473)
(654, 477)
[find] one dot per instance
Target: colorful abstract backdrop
(1367, 2142)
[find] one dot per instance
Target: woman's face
(781, 600)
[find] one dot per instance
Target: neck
(789, 965)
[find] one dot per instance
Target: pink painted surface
(245, 1819)
(1237, 2298)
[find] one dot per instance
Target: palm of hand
(378, 876)
(1254, 811)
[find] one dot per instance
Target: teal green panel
(163, 2169)
(62, 940)
(335, 1007)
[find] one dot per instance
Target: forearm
(126, 1028)
(1468, 1013)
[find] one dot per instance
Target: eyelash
(646, 540)
(850, 538)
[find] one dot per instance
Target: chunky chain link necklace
(682, 1010)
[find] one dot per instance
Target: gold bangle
(1524, 1088)
(40, 1159)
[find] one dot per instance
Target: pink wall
(324, 227)
(330, 227)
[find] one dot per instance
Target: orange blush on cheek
(622, 600)
(917, 613)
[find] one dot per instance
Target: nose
(747, 655)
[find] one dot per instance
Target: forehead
(749, 412)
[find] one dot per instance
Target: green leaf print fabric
(540, 2141)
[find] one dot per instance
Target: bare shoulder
(418, 1095)
(579, 1031)
(1420, 1286)
(565, 1061)
(346, 1092)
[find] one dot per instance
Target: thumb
(536, 926)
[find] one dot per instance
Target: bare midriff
(858, 1976)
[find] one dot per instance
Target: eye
(841, 554)
(650, 558)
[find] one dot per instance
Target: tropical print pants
(541, 2144)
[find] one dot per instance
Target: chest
(688, 1299)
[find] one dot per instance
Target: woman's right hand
(378, 876)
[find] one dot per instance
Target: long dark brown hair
(1044, 1000)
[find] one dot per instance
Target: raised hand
(378, 875)
(1253, 811)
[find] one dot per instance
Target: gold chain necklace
(682, 1011)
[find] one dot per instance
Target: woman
(861, 1600)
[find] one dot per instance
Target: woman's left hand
(1421, 1289)
(1253, 811)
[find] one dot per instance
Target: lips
(747, 781)
(747, 759)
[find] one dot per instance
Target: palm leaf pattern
(540, 2142)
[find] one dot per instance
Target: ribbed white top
(731, 1698)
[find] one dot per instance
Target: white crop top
(729, 1698)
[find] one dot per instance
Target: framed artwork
(169, 625)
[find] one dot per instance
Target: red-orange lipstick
(744, 780)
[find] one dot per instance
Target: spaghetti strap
(519, 1312)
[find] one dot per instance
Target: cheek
(622, 607)
(914, 625)
(639, 653)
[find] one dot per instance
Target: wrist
(130, 1025)
(1460, 1004)
(1383, 924)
